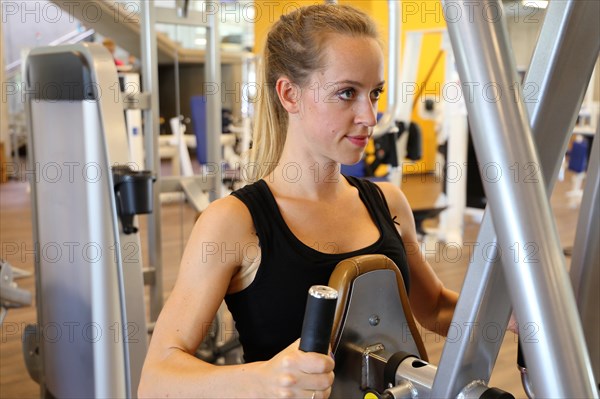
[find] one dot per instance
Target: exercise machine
(91, 336)
(11, 296)
(519, 262)
(397, 138)
(129, 83)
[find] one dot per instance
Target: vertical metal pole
(455, 131)
(212, 71)
(31, 179)
(533, 262)
(177, 89)
(4, 134)
(585, 264)
(413, 45)
(387, 121)
(151, 131)
(248, 61)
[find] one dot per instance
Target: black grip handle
(318, 319)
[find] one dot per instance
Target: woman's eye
(347, 94)
(375, 94)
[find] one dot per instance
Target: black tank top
(268, 313)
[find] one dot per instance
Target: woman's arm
(432, 303)
(207, 268)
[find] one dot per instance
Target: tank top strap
(258, 201)
(375, 199)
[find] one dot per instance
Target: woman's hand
(296, 374)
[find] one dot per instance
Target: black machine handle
(318, 319)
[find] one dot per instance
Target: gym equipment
(97, 297)
(376, 344)
(90, 340)
(578, 162)
(365, 333)
(221, 344)
(421, 215)
(502, 133)
(392, 146)
(531, 273)
(195, 187)
(318, 319)
(130, 87)
(585, 262)
(11, 296)
(398, 109)
(228, 139)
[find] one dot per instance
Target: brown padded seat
(342, 279)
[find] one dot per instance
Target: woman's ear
(289, 94)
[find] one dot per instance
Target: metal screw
(374, 320)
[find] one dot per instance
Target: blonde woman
(261, 248)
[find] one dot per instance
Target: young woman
(261, 248)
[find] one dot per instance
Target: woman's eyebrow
(354, 83)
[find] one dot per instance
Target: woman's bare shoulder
(227, 217)
(393, 195)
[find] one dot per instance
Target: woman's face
(338, 107)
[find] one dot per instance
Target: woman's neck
(307, 178)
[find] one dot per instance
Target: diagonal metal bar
(562, 63)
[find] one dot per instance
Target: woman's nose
(366, 113)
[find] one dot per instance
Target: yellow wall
(422, 15)
(416, 15)
(377, 9)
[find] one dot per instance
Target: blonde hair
(295, 48)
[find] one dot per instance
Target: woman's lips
(359, 141)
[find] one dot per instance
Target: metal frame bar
(387, 121)
(585, 263)
(152, 162)
(482, 51)
(212, 72)
(35, 234)
(110, 303)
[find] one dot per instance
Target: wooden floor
(177, 221)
